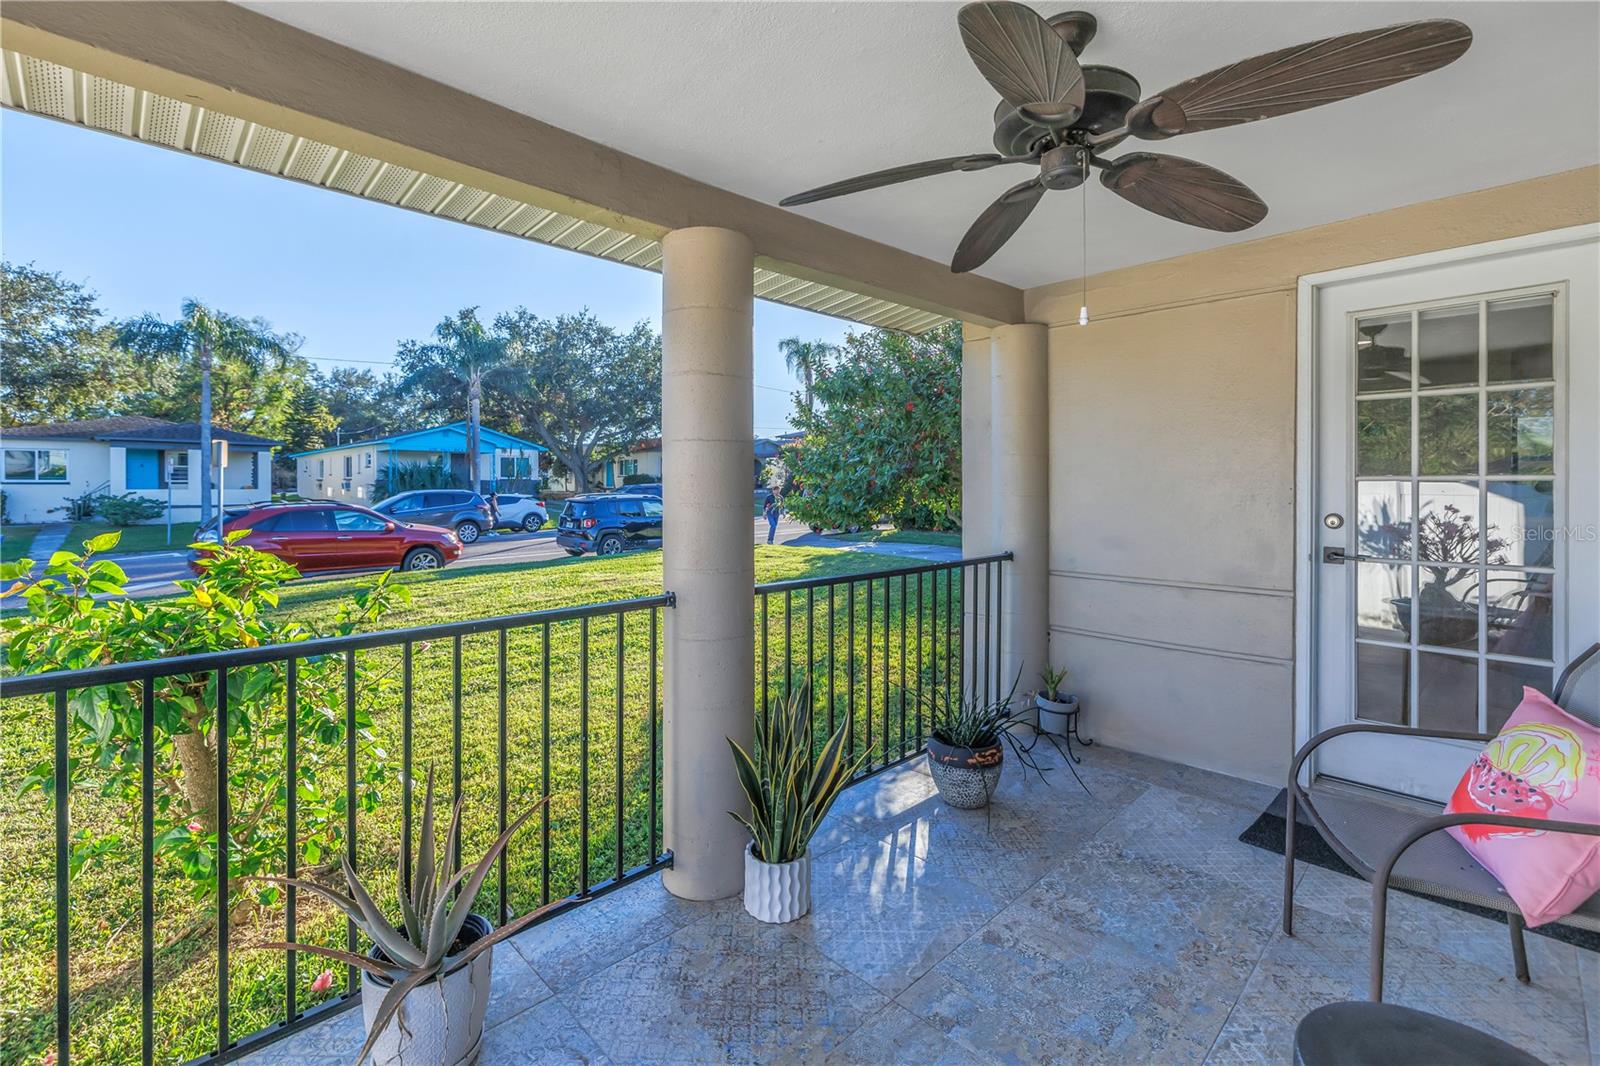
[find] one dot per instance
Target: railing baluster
(921, 736)
(350, 942)
(223, 827)
(291, 744)
(788, 647)
(951, 665)
(455, 739)
(147, 865)
(620, 805)
(655, 849)
(833, 650)
(903, 626)
(583, 755)
(888, 595)
(500, 777)
(969, 603)
(63, 770)
(544, 768)
(850, 666)
(871, 612)
(766, 622)
(933, 643)
(405, 764)
(999, 621)
(811, 675)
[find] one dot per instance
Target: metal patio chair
(1389, 846)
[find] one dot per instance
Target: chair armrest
(1374, 727)
(1380, 883)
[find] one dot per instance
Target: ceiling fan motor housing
(1109, 93)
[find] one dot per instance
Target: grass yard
(17, 542)
(904, 536)
(134, 538)
(869, 673)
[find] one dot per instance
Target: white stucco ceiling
(767, 99)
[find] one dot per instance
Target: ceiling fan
(1061, 116)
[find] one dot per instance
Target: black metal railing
(564, 704)
(874, 649)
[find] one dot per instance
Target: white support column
(1019, 476)
(707, 324)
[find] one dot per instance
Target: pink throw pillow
(1544, 764)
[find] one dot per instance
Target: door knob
(1333, 521)
(1337, 555)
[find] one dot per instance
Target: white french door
(1457, 500)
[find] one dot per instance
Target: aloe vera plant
(790, 793)
(1053, 680)
(432, 915)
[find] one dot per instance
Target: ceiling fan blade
(1029, 64)
(995, 226)
(880, 178)
(1185, 191)
(1306, 75)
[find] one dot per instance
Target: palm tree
(805, 358)
(463, 357)
(206, 335)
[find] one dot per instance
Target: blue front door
(144, 468)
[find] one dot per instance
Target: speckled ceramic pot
(776, 892)
(441, 1022)
(966, 777)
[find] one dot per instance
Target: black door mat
(1266, 833)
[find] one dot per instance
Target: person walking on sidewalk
(772, 508)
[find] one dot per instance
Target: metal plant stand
(1069, 736)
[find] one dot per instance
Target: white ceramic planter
(1055, 716)
(776, 892)
(440, 1023)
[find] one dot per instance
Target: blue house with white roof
(353, 470)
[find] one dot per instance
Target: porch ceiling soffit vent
(151, 72)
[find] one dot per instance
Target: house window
(369, 460)
(349, 466)
(627, 466)
(178, 468)
(322, 469)
(255, 471)
(42, 464)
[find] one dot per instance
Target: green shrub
(639, 479)
(78, 616)
(128, 509)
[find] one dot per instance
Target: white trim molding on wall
(1306, 429)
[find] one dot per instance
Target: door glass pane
(1383, 437)
(1520, 613)
(1383, 518)
(1447, 525)
(1383, 683)
(1447, 691)
(1522, 520)
(1505, 689)
(1520, 424)
(1447, 607)
(1447, 434)
(1521, 339)
(1383, 602)
(1447, 347)
(1383, 353)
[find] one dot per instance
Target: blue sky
(148, 228)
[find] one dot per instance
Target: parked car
(465, 512)
(607, 523)
(643, 490)
(317, 537)
(521, 512)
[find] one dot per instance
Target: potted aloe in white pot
(1056, 708)
(790, 793)
(429, 974)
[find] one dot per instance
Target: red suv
(336, 536)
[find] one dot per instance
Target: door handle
(1337, 555)
(344, 536)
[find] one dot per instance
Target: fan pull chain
(1083, 231)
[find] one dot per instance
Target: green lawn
(904, 536)
(852, 678)
(17, 542)
(134, 538)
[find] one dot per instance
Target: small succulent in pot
(440, 949)
(790, 792)
(1053, 680)
(1056, 708)
(966, 745)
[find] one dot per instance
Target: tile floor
(1126, 926)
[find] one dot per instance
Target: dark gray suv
(456, 509)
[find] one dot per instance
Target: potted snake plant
(790, 793)
(1056, 708)
(429, 973)
(966, 745)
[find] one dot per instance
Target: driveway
(154, 573)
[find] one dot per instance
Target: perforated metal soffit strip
(50, 89)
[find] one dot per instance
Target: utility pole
(205, 430)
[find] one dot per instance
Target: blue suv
(609, 523)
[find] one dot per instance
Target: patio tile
(567, 949)
(884, 797)
(724, 989)
(546, 1033)
(1196, 833)
(330, 1043)
(1190, 780)
(513, 986)
(1031, 989)
(894, 1034)
(1415, 922)
(1589, 985)
(886, 915)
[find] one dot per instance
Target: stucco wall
(1172, 447)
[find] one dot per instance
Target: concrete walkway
(48, 541)
(927, 553)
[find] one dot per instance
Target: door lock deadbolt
(1333, 521)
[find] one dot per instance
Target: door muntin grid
(1456, 493)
